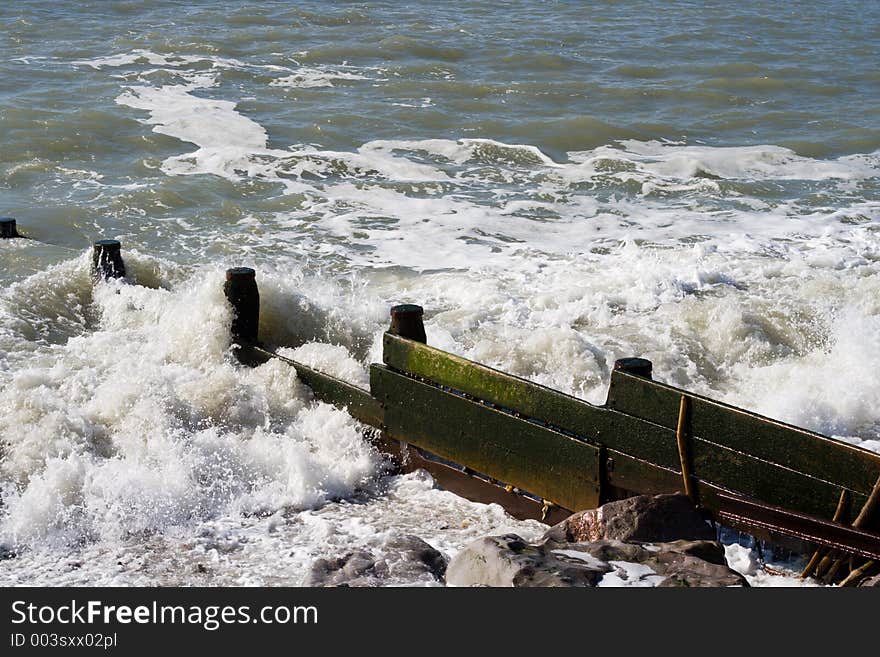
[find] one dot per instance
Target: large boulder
(509, 561)
(871, 581)
(645, 518)
(400, 559)
(660, 540)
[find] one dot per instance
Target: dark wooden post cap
(7, 228)
(406, 321)
(108, 245)
(634, 366)
(107, 259)
(239, 273)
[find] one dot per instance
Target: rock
(415, 556)
(509, 561)
(355, 568)
(404, 559)
(694, 563)
(658, 518)
(871, 581)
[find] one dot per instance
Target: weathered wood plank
(719, 467)
(470, 486)
(358, 402)
(555, 409)
(505, 390)
(632, 434)
(533, 458)
(819, 456)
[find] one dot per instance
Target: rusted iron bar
(858, 574)
(681, 439)
(814, 530)
(864, 516)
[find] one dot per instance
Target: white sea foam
(309, 77)
(107, 443)
(753, 162)
(176, 112)
(332, 359)
(144, 56)
(630, 574)
(745, 561)
(561, 280)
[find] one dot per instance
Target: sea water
(559, 184)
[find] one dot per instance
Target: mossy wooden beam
(358, 402)
(813, 454)
(478, 380)
(639, 437)
(534, 458)
(554, 409)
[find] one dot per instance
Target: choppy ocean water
(558, 184)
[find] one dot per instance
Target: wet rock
(660, 540)
(871, 581)
(355, 568)
(694, 563)
(414, 556)
(657, 518)
(401, 559)
(509, 561)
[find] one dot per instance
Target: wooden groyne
(494, 437)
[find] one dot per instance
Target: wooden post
(107, 260)
(406, 321)
(636, 366)
(7, 228)
(242, 293)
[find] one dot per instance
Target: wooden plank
(773, 482)
(555, 409)
(357, 401)
(505, 390)
(628, 473)
(531, 457)
(718, 468)
(470, 486)
(819, 456)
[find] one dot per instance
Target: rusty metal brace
(681, 437)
